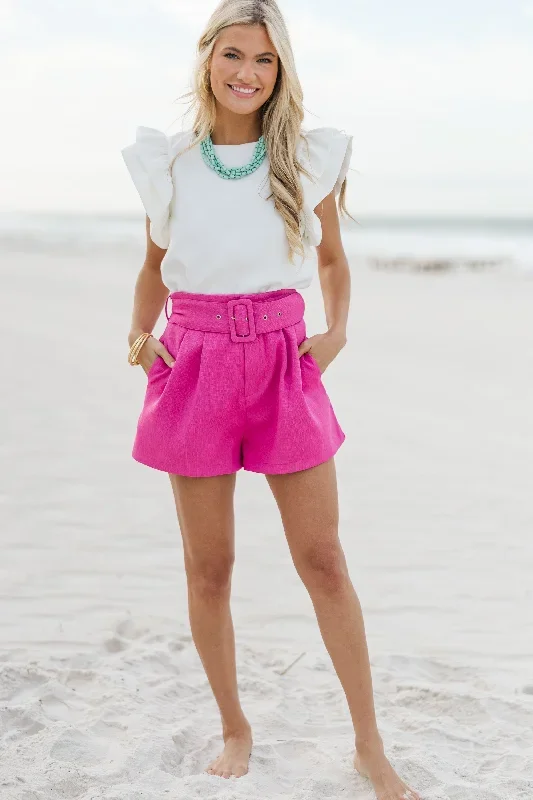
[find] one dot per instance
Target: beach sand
(102, 694)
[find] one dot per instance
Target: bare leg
(308, 504)
(205, 513)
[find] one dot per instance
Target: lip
(239, 94)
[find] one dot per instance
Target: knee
(210, 578)
(323, 568)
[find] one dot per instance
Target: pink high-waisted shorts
(238, 395)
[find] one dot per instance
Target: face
(243, 58)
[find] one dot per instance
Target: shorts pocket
(173, 336)
(161, 375)
(156, 362)
(171, 339)
(310, 359)
(151, 368)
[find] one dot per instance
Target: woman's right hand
(151, 349)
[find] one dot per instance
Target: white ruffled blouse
(225, 236)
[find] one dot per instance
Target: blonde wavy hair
(281, 115)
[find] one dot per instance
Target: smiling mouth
(241, 92)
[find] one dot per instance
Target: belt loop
(166, 304)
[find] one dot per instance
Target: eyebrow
(236, 49)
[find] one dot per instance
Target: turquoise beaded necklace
(232, 173)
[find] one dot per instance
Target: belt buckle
(245, 337)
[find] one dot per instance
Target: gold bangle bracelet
(136, 347)
(139, 341)
(133, 356)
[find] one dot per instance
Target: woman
(233, 381)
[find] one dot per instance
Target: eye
(266, 60)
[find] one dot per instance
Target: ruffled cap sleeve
(148, 161)
(326, 153)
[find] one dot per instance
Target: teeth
(243, 91)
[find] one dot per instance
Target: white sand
(102, 691)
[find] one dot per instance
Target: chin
(237, 108)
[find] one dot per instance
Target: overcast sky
(438, 97)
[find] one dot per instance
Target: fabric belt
(241, 316)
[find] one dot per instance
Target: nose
(246, 73)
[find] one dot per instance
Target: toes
(409, 794)
(226, 773)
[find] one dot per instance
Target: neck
(237, 129)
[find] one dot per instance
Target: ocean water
(463, 244)
(379, 243)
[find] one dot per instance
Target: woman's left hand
(324, 347)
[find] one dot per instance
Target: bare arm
(149, 299)
(333, 269)
(335, 283)
(150, 291)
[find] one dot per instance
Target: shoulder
(149, 161)
(326, 152)
(179, 142)
(156, 148)
(324, 138)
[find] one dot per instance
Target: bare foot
(233, 760)
(371, 762)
